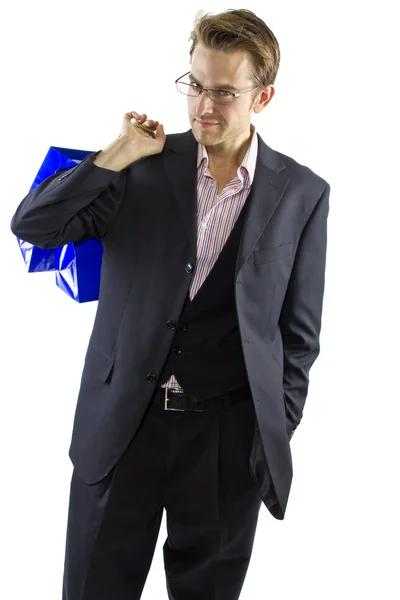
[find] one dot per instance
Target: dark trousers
(196, 466)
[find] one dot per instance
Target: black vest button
(171, 324)
(184, 327)
(177, 351)
(151, 378)
(189, 268)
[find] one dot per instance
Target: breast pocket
(265, 255)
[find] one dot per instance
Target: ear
(263, 98)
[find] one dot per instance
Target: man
(207, 325)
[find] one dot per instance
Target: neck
(224, 156)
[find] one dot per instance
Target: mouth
(205, 123)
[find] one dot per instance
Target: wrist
(117, 155)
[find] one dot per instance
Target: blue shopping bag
(77, 265)
(37, 259)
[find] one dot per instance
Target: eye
(224, 93)
(194, 84)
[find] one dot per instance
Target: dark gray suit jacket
(145, 216)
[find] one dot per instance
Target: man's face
(216, 69)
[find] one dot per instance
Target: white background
(70, 71)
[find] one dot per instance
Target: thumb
(160, 131)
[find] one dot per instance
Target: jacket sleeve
(300, 319)
(74, 206)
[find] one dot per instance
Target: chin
(205, 138)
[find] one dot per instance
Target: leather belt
(181, 402)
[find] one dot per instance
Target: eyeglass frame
(203, 89)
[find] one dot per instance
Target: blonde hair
(240, 29)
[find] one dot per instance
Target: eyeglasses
(219, 96)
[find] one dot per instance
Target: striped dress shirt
(216, 216)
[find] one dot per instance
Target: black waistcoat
(206, 355)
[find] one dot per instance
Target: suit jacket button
(151, 378)
(177, 351)
(184, 327)
(189, 268)
(171, 324)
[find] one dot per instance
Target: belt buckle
(166, 407)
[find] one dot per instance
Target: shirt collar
(248, 162)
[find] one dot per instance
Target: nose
(204, 103)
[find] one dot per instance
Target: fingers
(142, 119)
(136, 115)
(149, 122)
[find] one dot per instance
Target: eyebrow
(224, 86)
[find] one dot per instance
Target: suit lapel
(269, 185)
(266, 192)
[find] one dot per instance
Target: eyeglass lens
(189, 89)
